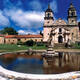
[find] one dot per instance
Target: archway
(60, 39)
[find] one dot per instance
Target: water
(64, 62)
(22, 64)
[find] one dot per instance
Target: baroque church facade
(59, 30)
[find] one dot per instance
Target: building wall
(15, 40)
(1, 40)
(57, 34)
(48, 22)
(72, 33)
(10, 41)
(46, 33)
(34, 39)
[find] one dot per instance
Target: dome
(49, 9)
(72, 7)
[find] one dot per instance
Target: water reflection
(22, 63)
(63, 62)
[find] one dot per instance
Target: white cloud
(26, 19)
(4, 21)
(35, 5)
(22, 32)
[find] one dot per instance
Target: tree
(29, 43)
(41, 33)
(9, 31)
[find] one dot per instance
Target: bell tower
(72, 16)
(48, 19)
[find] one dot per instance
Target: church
(61, 31)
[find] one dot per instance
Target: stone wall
(10, 75)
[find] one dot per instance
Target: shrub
(76, 45)
(29, 43)
(19, 43)
(40, 44)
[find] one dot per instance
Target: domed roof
(72, 7)
(49, 9)
(60, 22)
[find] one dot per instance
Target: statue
(50, 39)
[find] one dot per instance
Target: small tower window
(60, 30)
(48, 22)
(73, 14)
(72, 21)
(48, 14)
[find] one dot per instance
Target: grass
(14, 47)
(76, 46)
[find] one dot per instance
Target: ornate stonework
(62, 31)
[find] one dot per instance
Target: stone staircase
(59, 45)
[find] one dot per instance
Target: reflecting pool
(36, 64)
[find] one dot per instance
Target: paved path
(67, 50)
(43, 51)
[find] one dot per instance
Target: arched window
(48, 14)
(60, 30)
(72, 21)
(73, 14)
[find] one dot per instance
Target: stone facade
(61, 31)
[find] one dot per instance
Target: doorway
(60, 39)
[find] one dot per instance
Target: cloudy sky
(27, 16)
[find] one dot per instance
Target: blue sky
(27, 16)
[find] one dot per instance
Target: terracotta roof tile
(10, 36)
(23, 36)
(1, 35)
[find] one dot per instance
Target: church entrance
(60, 39)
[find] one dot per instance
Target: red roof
(1, 35)
(10, 36)
(23, 36)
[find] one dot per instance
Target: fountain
(50, 53)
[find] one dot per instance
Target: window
(36, 40)
(73, 14)
(60, 30)
(48, 14)
(72, 21)
(72, 33)
(18, 39)
(41, 40)
(48, 33)
(9, 40)
(48, 22)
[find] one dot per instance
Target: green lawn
(14, 47)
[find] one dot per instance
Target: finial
(49, 6)
(71, 5)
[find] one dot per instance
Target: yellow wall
(1, 40)
(11, 41)
(34, 39)
(15, 40)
